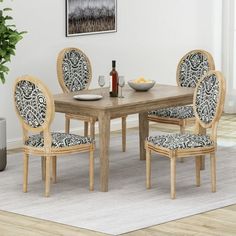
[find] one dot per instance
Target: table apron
(124, 110)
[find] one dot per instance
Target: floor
(217, 222)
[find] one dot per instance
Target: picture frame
(85, 17)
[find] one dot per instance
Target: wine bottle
(113, 81)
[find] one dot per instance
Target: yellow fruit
(142, 80)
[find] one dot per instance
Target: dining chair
(208, 106)
(35, 108)
(190, 69)
(75, 74)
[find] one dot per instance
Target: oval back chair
(190, 70)
(74, 70)
(75, 74)
(35, 108)
(208, 106)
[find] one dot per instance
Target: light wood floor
(221, 222)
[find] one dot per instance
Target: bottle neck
(113, 65)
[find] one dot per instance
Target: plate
(87, 97)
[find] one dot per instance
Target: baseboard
(131, 122)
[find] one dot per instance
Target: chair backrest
(34, 104)
(193, 66)
(73, 70)
(209, 99)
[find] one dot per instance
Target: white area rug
(128, 205)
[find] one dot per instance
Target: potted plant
(9, 37)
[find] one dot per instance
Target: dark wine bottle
(113, 81)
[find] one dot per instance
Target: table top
(133, 101)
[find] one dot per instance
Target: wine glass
(101, 81)
(121, 82)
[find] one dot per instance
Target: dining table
(134, 102)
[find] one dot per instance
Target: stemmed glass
(101, 81)
(121, 82)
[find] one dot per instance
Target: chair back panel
(33, 102)
(193, 66)
(209, 98)
(74, 70)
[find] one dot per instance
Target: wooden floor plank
(15, 224)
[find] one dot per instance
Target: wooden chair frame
(188, 121)
(47, 153)
(89, 122)
(197, 152)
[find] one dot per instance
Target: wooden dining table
(133, 103)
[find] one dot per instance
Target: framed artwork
(90, 17)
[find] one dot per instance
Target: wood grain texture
(14, 224)
(133, 102)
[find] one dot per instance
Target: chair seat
(59, 140)
(180, 141)
(178, 112)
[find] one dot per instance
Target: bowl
(141, 86)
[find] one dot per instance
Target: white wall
(152, 36)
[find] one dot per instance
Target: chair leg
(202, 162)
(148, 168)
(48, 176)
(85, 128)
(91, 170)
(67, 125)
(26, 167)
(54, 169)
(213, 172)
(198, 167)
(92, 129)
(43, 167)
(182, 131)
(173, 177)
(123, 134)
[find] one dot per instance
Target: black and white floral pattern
(180, 141)
(179, 112)
(207, 98)
(59, 140)
(30, 103)
(76, 71)
(192, 68)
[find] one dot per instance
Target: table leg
(143, 133)
(104, 139)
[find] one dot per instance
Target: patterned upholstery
(179, 112)
(180, 141)
(58, 140)
(76, 71)
(30, 103)
(192, 68)
(207, 98)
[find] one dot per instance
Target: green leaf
(3, 68)
(9, 37)
(14, 26)
(7, 9)
(8, 18)
(23, 32)
(2, 78)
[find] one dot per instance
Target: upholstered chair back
(209, 98)
(73, 69)
(34, 103)
(193, 66)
